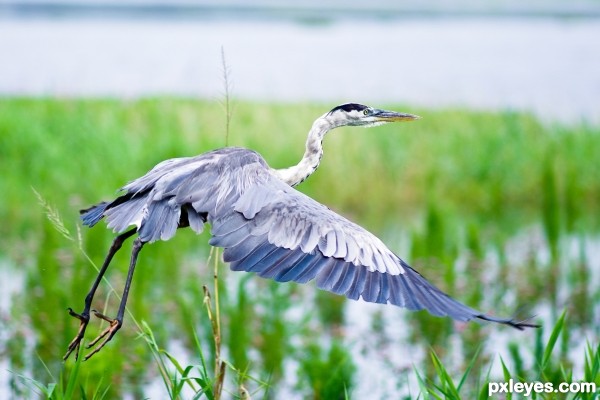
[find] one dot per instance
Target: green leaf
(552, 340)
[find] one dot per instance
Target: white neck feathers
(312, 155)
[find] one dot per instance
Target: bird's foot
(84, 317)
(104, 336)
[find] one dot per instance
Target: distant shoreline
(311, 12)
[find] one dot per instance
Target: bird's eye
(366, 111)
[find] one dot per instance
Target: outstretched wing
(282, 234)
(269, 228)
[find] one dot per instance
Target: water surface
(549, 66)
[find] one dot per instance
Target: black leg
(84, 317)
(115, 324)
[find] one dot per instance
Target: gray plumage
(267, 227)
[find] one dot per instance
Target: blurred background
(538, 56)
(494, 195)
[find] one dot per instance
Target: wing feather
(372, 286)
(311, 238)
(253, 246)
(384, 289)
(236, 234)
(292, 258)
(294, 272)
(345, 279)
(311, 269)
(352, 249)
(358, 285)
(329, 275)
(272, 258)
(262, 251)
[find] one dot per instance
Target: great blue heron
(266, 227)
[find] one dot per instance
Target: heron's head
(352, 114)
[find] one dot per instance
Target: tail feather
(91, 216)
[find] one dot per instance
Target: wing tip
(517, 324)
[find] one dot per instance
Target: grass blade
(552, 340)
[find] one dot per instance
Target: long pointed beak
(392, 116)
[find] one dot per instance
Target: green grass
(479, 164)
(545, 369)
(478, 187)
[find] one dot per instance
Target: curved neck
(312, 155)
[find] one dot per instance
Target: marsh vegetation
(498, 209)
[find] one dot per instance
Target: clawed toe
(98, 343)
(76, 342)
(83, 317)
(105, 336)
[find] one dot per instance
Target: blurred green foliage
(488, 206)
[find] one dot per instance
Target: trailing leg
(115, 324)
(84, 317)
